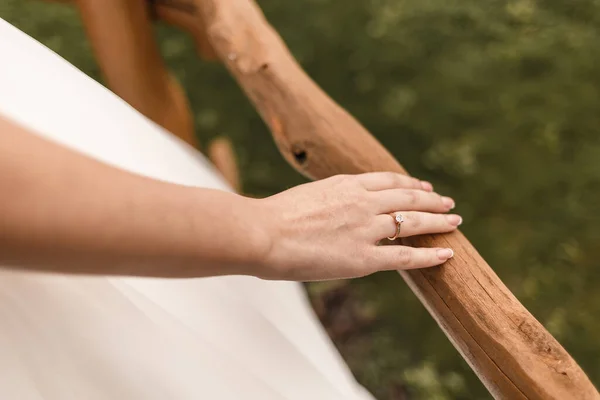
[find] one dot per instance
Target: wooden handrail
(509, 350)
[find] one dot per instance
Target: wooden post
(121, 35)
(510, 351)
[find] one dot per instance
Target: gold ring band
(398, 219)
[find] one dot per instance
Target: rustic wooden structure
(510, 351)
(121, 35)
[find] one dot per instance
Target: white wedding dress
(87, 338)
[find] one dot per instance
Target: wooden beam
(510, 351)
(123, 41)
(121, 35)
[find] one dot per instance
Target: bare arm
(62, 211)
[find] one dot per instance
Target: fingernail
(444, 254)
(448, 202)
(427, 186)
(454, 219)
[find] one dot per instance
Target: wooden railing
(509, 350)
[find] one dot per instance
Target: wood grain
(510, 351)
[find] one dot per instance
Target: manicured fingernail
(448, 202)
(427, 186)
(444, 254)
(454, 219)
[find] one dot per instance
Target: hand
(330, 229)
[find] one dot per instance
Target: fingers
(374, 181)
(402, 257)
(392, 200)
(415, 223)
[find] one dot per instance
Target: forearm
(62, 211)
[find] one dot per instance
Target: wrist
(262, 235)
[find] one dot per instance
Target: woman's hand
(93, 218)
(331, 228)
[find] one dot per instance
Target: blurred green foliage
(496, 102)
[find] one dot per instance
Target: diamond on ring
(399, 219)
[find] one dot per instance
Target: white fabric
(86, 338)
